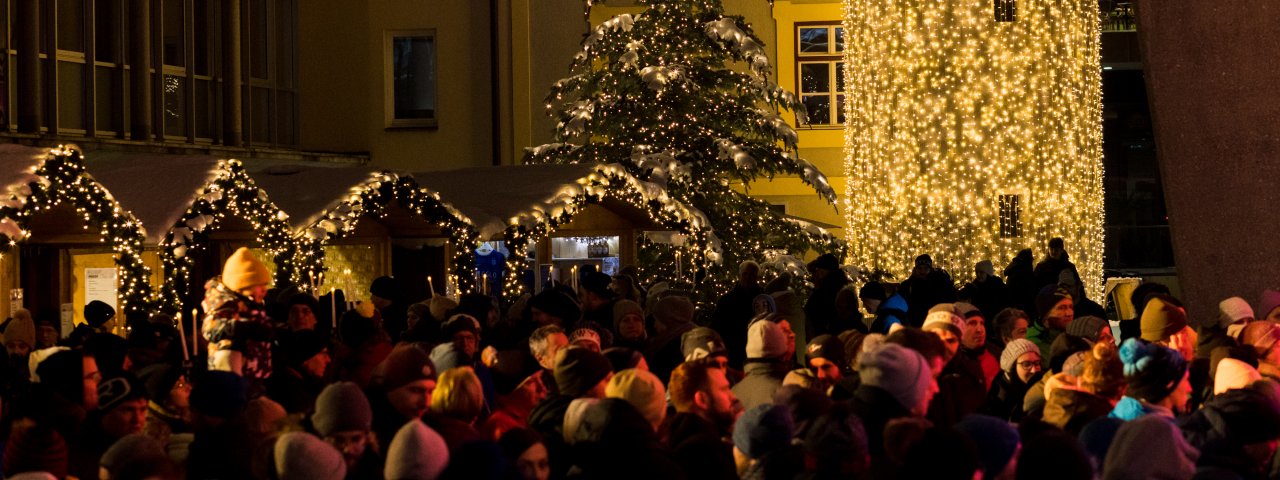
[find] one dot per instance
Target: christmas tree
(680, 95)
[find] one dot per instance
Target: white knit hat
(1233, 310)
(766, 340)
(1014, 350)
(944, 319)
(1233, 374)
(416, 452)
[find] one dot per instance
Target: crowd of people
(1008, 376)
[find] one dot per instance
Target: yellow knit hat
(243, 271)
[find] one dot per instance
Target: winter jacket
(733, 313)
(1150, 448)
(820, 308)
(664, 352)
(1006, 396)
(758, 387)
(990, 296)
(893, 311)
(547, 418)
(1043, 337)
(922, 293)
(1071, 409)
(876, 407)
(1225, 426)
(238, 331)
(985, 360)
(961, 391)
(699, 448)
(1129, 408)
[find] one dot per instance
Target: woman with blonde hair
(456, 405)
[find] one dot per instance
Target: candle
(484, 288)
(678, 274)
(431, 286)
(182, 337)
(333, 308)
(573, 278)
(313, 283)
(195, 326)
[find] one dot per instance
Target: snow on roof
(156, 188)
(18, 165)
(495, 198)
(307, 192)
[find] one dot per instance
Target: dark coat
(990, 296)
(1005, 399)
(922, 293)
(699, 448)
(876, 407)
(820, 310)
(733, 313)
(961, 391)
(762, 380)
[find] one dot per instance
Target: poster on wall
(100, 284)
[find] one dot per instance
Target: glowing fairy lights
(951, 114)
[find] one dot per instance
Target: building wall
(333, 67)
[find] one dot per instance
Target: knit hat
(826, 347)
(1234, 309)
(1233, 374)
(765, 340)
(416, 453)
(1103, 373)
(158, 380)
(642, 390)
(21, 329)
(1087, 327)
(1048, 297)
(114, 391)
(997, 441)
(557, 304)
(243, 270)
(35, 448)
(302, 456)
(97, 313)
(825, 261)
(447, 355)
(460, 322)
(385, 287)
(573, 418)
(219, 394)
(622, 358)
(769, 306)
(598, 283)
(835, 435)
(702, 342)
(440, 306)
(763, 430)
(1153, 371)
(986, 267)
(578, 370)
(944, 320)
(136, 455)
(902, 372)
(301, 346)
(1015, 349)
(1161, 319)
(966, 310)
(517, 441)
(1269, 301)
(405, 364)
(342, 407)
(673, 311)
(1261, 336)
(264, 417)
(872, 291)
(63, 372)
(584, 335)
(36, 362)
(622, 308)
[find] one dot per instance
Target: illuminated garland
(950, 109)
(371, 199)
(607, 181)
(61, 178)
(659, 93)
(231, 192)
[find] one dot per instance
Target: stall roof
(306, 192)
(18, 165)
(495, 197)
(156, 188)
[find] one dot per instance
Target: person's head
(595, 290)
(984, 270)
(700, 388)
(622, 358)
(20, 336)
(824, 357)
(1269, 306)
(1232, 374)
(243, 273)
(100, 316)
(408, 378)
(416, 452)
(975, 326)
(1264, 338)
(767, 341)
(582, 373)
(749, 273)
(925, 343)
(47, 334)
(672, 312)
(1103, 373)
(642, 390)
(167, 386)
(998, 444)
(822, 267)
(943, 452)
(344, 419)
(1234, 311)
(1012, 324)
(763, 305)
(464, 331)
(69, 373)
(628, 320)
(1021, 360)
(835, 443)
(217, 397)
(703, 342)
(553, 307)
(871, 294)
(760, 431)
(136, 456)
(1055, 306)
(545, 342)
(903, 373)
(1155, 374)
(949, 328)
(383, 291)
(1056, 248)
(302, 312)
(1091, 328)
(585, 338)
(790, 335)
(458, 394)
(524, 449)
(303, 456)
(307, 352)
(123, 403)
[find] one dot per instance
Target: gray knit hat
(342, 407)
(302, 456)
(902, 372)
(1014, 350)
(1086, 327)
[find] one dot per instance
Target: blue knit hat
(1152, 371)
(996, 439)
(763, 430)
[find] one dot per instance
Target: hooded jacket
(1006, 398)
(238, 331)
(1070, 408)
(762, 380)
(699, 448)
(893, 311)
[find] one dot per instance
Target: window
(410, 72)
(1006, 10)
(1010, 215)
(820, 72)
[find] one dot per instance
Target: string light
(949, 110)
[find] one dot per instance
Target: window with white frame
(820, 71)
